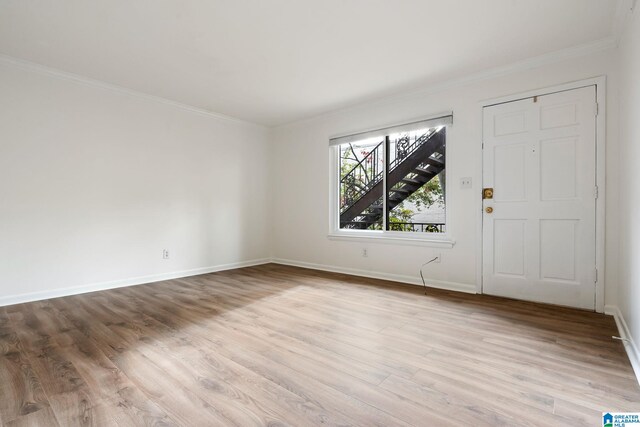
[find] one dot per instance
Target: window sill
(442, 242)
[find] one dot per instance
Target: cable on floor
(422, 277)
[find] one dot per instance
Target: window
(393, 180)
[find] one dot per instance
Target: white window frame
(444, 240)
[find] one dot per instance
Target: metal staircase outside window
(408, 167)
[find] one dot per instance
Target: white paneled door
(539, 226)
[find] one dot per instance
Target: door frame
(601, 133)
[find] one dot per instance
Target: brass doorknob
(488, 209)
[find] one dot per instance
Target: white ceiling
(277, 61)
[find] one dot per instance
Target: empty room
(305, 213)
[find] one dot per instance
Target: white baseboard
(440, 284)
(629, 345)
(42, 295)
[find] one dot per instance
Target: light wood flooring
(276, 345)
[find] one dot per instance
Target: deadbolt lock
(487, 193)
(488, 209)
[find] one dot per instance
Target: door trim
(601, 132)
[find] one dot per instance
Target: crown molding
(621, 21)
(515, 67)
(76, 78)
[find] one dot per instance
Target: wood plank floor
(276, 345)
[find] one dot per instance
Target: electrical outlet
(465, 182)
(438, 257)
(365, 253)
(165, 254)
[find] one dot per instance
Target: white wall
(301, 176)
(95, 183)
(629, 164)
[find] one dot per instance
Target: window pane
(361, 185)
(416, 181)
